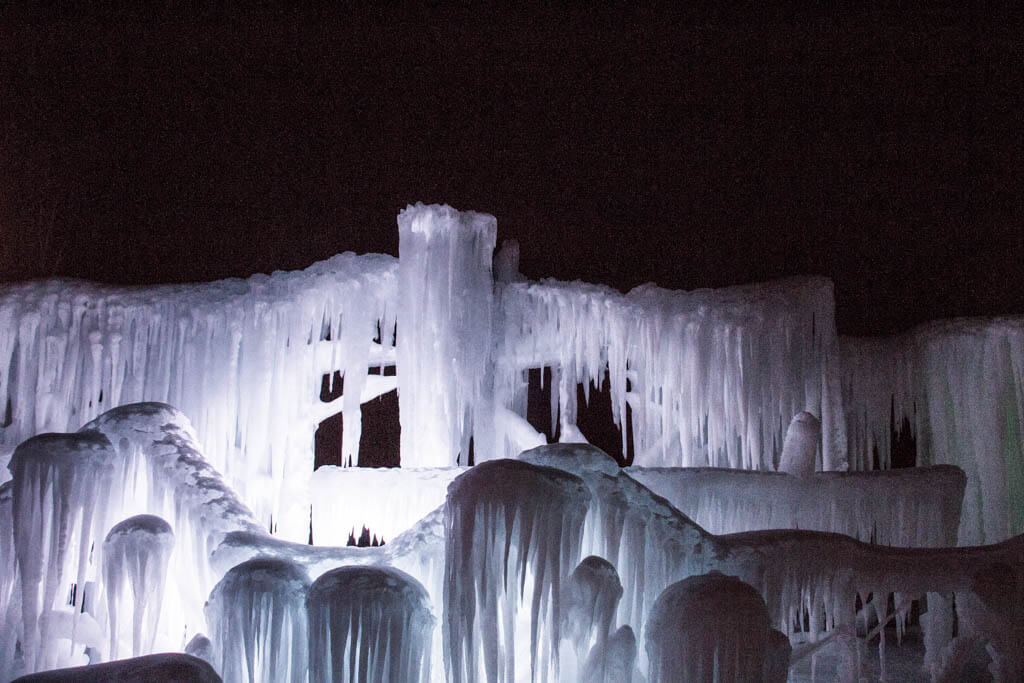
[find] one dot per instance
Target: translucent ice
(369, 624)
(136, 553)
(257, 619)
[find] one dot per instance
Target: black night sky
(882, 149)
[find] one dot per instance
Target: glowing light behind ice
(136, 552)
(715, 376)
(242, 357)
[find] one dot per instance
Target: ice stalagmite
(135, 557)
(369, 624)
(590, 598)
(257, 620)
(512, 531)
(61, 499)
(710, 628)
(800, 445)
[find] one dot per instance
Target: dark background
(624, 145)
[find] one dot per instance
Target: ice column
(445, 293)
(712, 628)
(512, 531)
(369, 624)
(135, 556)
(61, 500)
(257, 619)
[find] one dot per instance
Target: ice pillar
(445, 294)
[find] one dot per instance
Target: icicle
(512, 530)
(136, 553)
(257, 620)
(369, 624)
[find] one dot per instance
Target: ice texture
(512, 533)
(63, 488)
(257, 620)
(136, 553)
(800, 445)
(444, 296)
(914, 507)
(714, 375)
(710, 628)
(369, 624)
(242, 358)
(960, 384)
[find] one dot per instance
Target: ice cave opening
(774, 501)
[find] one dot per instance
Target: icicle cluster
(136, 553)
(960, 383)
(61, 507)
(444, 349)
(713, 376)
(512, 532)
(243, 359)
(369, 624)
(257, 620)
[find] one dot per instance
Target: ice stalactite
(512, 532)
(136, 553)
(711, 628)
(9, 591)
(960, 384)
(242, 358)
(369, 624)
(712, 376)
(445, 332)
(63, 489)
(257, 619)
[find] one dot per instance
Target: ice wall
(713, 377)
(916, 507)
(444, 349)
(961, 385)
(243, 358)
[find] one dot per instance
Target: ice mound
(257, 619)
(512, 532)
(711, 628)
(573, 457)
(135, 557)
(369, 624)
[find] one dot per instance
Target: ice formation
(754, 433)
(510, 531)
(136, 552)
(257, 619)
(369, 624)
(712, 628)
